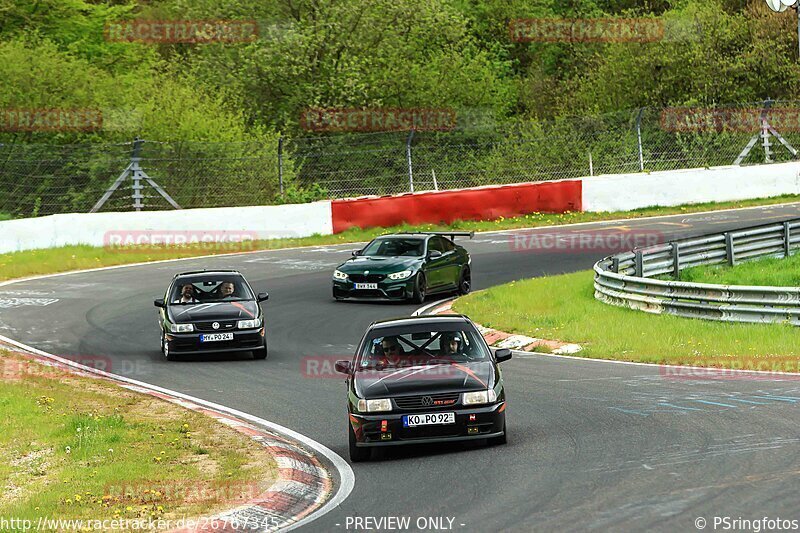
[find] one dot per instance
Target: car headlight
(338, 274)
(400, 275)
(181, 328)
(249, 324)
(480, 397)
(374, 406)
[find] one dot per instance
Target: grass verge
(563, 308)
(780, 272)
(80, 448)
(36, 262)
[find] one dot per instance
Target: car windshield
(427, 346)
(210, 289)
(395, 246)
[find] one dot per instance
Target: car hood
(379, 265)
(213, 311)
(425, 379)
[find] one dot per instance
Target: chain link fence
(38, 179)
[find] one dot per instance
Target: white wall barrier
(614, 192)
(99, 229)
(622, 192)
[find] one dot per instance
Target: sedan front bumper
(243, 340)
(387, 289)
(387, 429)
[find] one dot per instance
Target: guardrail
(626, 279)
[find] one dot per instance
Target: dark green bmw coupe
(405, 266)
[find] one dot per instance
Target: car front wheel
(420, 288)
(465, 282)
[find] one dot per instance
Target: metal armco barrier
(627, 279)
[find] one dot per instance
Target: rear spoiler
(451, 234)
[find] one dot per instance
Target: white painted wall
(95, 229)
(622, 192)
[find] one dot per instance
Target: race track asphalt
(593, 445)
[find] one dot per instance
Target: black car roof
(423, 319)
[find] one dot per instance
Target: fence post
(408, 158)
(787, 241)
(639, 264)
(280, 163)
(137, 186)
(676, 260)
(639, 137)
(591, 165)
(729, 251)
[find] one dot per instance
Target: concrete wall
(97, 229)
(622, 192)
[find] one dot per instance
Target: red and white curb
(304, 485)
(501, 339)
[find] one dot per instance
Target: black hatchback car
(211, 312)
(423, 379)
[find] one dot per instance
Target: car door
(435, 267)
(451, 270)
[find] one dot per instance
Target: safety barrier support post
(676, 260)
(787, 233)
(729, 251)
(639, 264)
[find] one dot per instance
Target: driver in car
(226, 290)
(451, 343)
(392, 352)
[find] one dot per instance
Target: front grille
(437, 401)
(224, 325)
(368, 278)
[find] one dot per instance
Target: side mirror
(159, 303)
(356, 253)
(433, 254)
(343, 367)
(503, 354)
(262, 296)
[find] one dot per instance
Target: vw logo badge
(427, 401)
(215, 325)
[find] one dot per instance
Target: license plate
(366, 285)
(428, 419)
(215, 337)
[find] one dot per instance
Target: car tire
(502, 439)
(420, 289)
(357, 455)
(165, 348)
(262, 352)
(465, 282)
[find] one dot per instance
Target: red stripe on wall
(481, 203)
